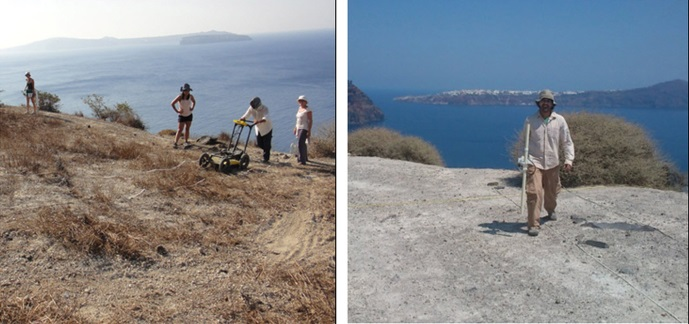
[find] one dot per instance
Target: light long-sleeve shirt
(260, 113)
(546, 138)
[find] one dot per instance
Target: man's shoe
(533, 231)
(553, 216)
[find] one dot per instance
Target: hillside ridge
(67, 43)
(670, 94)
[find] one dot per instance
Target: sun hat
(302, 97)
(27, 74)
(185, 87)
(255, 103)
(546, 94)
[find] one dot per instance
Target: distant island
(52, 44)
(671, 94)
(360, 108)
(212, 37)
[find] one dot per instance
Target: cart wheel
(225, 165)
(205, 160)
(244, 162)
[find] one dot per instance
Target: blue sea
(480, 137)
(224, 77)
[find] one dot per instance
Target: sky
(24, 22)
(440, 45)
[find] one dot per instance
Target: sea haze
(480, 136)
(224, 78)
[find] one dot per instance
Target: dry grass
(104, 223)
(324, 142)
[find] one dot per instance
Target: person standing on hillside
(303, 128)
(187, 103)
(263, 126)
(30, 92)
(549, 134)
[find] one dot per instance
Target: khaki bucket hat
(546, 94)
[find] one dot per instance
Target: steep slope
(360, 108)
(104, 223)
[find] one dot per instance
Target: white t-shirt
(303, 119)
(260, 113)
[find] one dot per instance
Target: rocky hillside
(671, 94)
(435, 245)
(103, 223)
(360, 108)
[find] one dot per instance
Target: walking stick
(525, 165)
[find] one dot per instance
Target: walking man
(549, 134)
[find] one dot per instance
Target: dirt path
(430, 244)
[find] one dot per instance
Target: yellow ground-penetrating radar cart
(233, 157)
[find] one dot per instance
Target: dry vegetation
(100, 222)
(389, 144)
(612, 151)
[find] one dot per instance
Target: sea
(224, 77)
(481, 136)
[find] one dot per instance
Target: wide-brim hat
(27, 74)
(185, 87)
(546, 94)
(302, 97)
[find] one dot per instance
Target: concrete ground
(433, 244)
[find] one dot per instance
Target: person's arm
(246, 114)
(568, 145)
(193, 102)
(173, 104)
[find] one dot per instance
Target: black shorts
(183, 119)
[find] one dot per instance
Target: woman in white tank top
(186, 106)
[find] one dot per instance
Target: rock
(207, 140)
(597, 244)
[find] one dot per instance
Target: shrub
(323, 144)
(612, 151)
(167, 132)
(385, 143)
(122, 113)
(48, 102)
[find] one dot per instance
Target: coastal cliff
(360, 108)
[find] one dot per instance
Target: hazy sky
(24, 22)
(516, 45)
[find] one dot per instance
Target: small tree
(48, 102)
(97, 105)
(122, 113)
